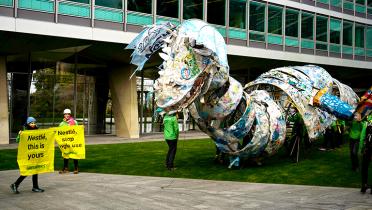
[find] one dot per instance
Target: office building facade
(57, 54)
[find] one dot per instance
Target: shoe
(76, 171)
(36, 189)
(364, 188)
(172, 169)
(64, 171)
(14, 188)
(235, 167)
(322, 149)
(355, 170)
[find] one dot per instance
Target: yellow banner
(71, 141)
(36, 152)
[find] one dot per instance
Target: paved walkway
(106, 191)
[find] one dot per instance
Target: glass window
(347, 33)
(143, 6)
(81, 1)
(336, 3)
(321, 32)
(237, 13)
(291, 23)
(118, 4)
(359, 36)
(257, 16)
(369, 37)
(275, 20)
(167, 8)
(349, 4)
(323, 1)
(307, 26)
(335, 31)
(369, 3)
(216, 12)
(192, 9)
(360, 6)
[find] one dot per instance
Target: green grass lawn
(194, 160)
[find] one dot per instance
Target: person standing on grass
(354, 138)
(30, 125)
(366, 143)
(171, 133)
(329, 140)
(338, 128)
(68, 120)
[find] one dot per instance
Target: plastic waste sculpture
(365, 104)
(243, 122)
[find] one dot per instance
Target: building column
(102, 91)
(4, 115)
(124, 101)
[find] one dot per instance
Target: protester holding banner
(68, 120)
(30, 125)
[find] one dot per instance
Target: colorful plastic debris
(365, 104)
(247, 122)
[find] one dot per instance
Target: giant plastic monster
(243, 122)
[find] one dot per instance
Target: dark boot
(37, 189)
(364, 188)
(14, 188)
(64, 171)
(76, 166)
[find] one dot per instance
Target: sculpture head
(195, 61)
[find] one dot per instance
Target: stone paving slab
(106, 191)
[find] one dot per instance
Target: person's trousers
(172, 149)
(65, 164)
(365, 163)
(338, 139)
(34, 181)
(329, 142)
(354, 147)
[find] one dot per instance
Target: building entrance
(44, 89)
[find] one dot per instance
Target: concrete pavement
(105, 191)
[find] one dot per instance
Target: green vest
(355, 130)
(171, 130)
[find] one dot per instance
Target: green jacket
(338, 126)
(171, 130)
(364, 129)
(356, 129)
(299, 127)
(363, 132)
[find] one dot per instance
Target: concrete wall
(124, 101)
(4, 115)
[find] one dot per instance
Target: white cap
(67, 111)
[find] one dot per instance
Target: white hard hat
(67, 111)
